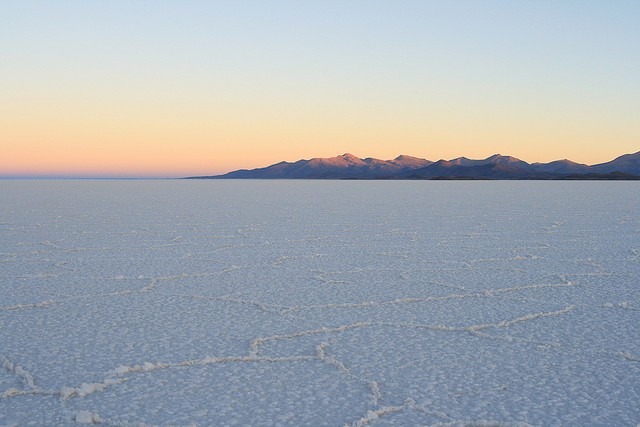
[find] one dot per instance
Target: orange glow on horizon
(156, 141)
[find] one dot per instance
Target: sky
(177, 88)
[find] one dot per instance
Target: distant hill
(348, 166)
(562, 167)
(628, 163)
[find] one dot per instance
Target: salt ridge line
(630, 357)
(514, 258)
(45, 303)
(525, 318)
(444, 285)
(481, 423)
(256, 343)
(45, 275)
(63, 265)
(9, 257)
(410, 404)
(352, 271)
(89, 417)
(284, 258)
(475, 328)
(86, 249)
(377, 270)
(269, 308)
(373, 386)
(65, 392)
(167, 245)
(18, 370)
(373, 415)
(153, 283)
(254, 347)
(320, 278)
(156, 280)
(511, 339)
(148, 366)
(264, 307)
(623, 305)
(86, 389)
(480, 294)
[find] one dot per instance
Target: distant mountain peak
(349, 157)
(402, 157)
(501, 157)
(463, 161)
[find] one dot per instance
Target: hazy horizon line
(159, 176)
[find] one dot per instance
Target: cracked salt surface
(319, 303)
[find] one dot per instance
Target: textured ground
(319, 303)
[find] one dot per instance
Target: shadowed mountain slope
(628, 163)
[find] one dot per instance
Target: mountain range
(348, 166)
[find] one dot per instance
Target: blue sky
(219, 85)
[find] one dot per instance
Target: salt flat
(319, 303)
